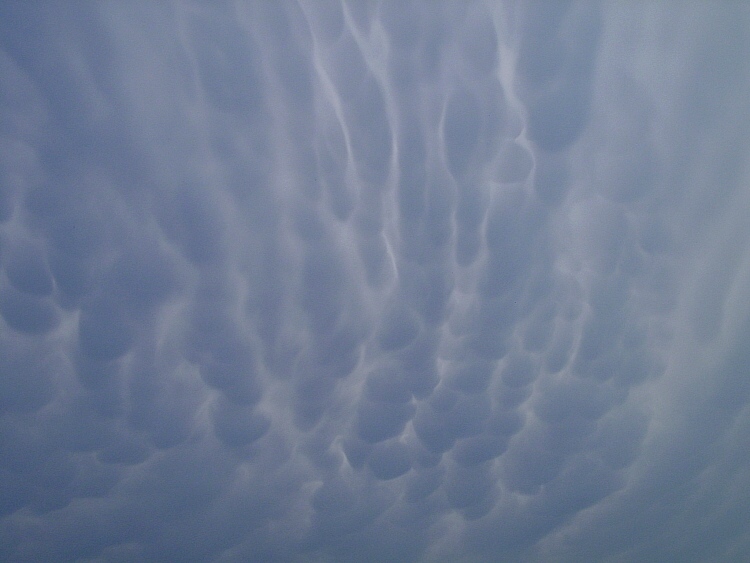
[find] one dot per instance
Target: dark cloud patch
(106, 330)
(144, 276)
(26, 313)
(161, 399)
(194, 223)
(27, 269)
(403, 22)
(338, 353)
(226, 63)
(323, 279)
(470, 489)
(540, 54)
(22, 111)
(556, 58)
(124, 449)
(313, 391)
(511, 397)
(423, 483)
(519, 371)
(450, 415)
(338, 512)
(530, 462)
(370, 133)
(235, 376)
(510, 237)
(419, 364)
(238, 425)
(412, 174)
(560, 350)
(363, 104)
(400, 327)
(433, 432)
(83, 427)
(389, 460)
(603, 229)
(387, 384)
(471, 210)
(377, 421)
(538, 333)
(600, 335)
(471, 376)
(479, 43)
(487, 335)
(618, 437)
(72, 275)
(558, 118)
(462, 128)
(551, 177)
(27, 375)
(578, 398)
(284, 34)
(516, 163)
(478, 449)
(332, 157)
(376, 259)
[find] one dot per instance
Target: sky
(363, 281)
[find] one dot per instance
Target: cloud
(370, 281)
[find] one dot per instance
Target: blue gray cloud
(374, 281)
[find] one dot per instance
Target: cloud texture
(374, 281)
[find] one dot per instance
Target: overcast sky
(360, 281)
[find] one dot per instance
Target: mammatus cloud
(374, 281)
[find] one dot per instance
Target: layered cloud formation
(374, 281)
